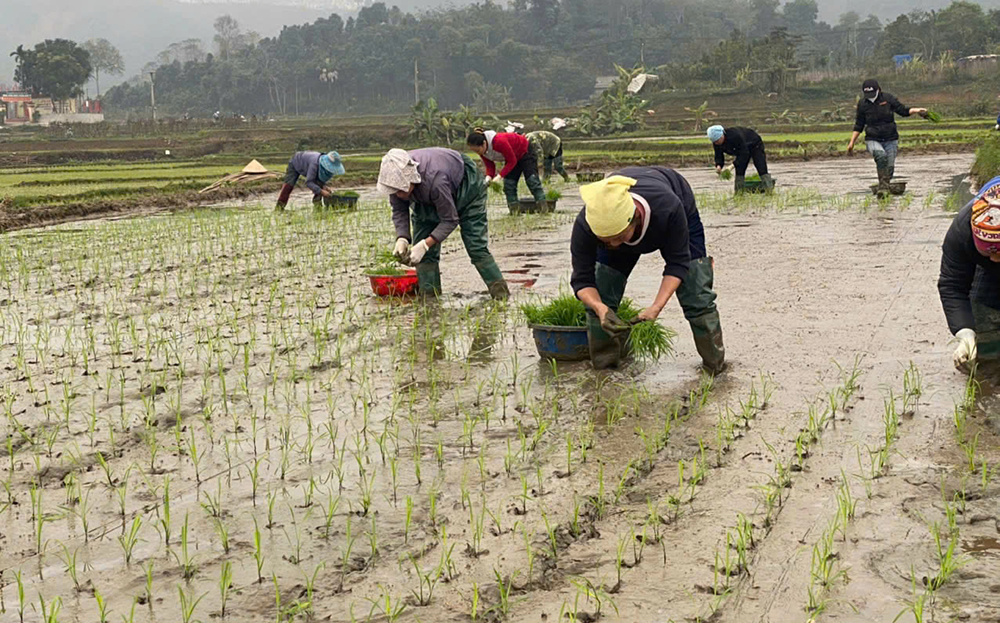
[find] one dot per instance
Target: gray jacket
(441, 173)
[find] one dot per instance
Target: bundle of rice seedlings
(933, 116)
(646, 340)
(553, 195)
(726, 174)
(496, 187)
(563, 311)
(386, 265)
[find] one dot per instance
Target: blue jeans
(884, 153)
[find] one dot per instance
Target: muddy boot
(707, 330)
(883, 184)
(491, 275)
(283, 196)
(767, 182)
(740, 184)
(535, 186)
(429, 279)
(510, 191)
(499, 290)
(605, 349)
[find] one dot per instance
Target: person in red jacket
(518, 159)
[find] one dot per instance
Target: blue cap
(330, 165)
(715, 133)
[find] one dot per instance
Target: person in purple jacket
(316, 168)
(436, 190)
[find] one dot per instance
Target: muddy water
(281, 398)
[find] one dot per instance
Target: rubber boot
(767, 182)
(283, 196)
(883, 183)
(606, 350)
(535, 186)
(499, 290)
(707, 330)
(429, 279)
(740, 184)
(561, 169)
(510, 191)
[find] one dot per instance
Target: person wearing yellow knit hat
(636, 211)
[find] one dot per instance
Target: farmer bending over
(636, 211)
(548, 146)
(317, 168)
(443, 189)
(518, 158)
(969, 284)
(745, 144)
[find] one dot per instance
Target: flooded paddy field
(207, 415)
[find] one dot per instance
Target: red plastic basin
(394, 285)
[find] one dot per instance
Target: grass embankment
(129, 162)
(987, 164)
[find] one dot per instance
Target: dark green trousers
(987, 331)
(696, 297)
(473, 224)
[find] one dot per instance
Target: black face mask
(870, 89)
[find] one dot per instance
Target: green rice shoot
(646, 340)
(726, 174)
(934, 116)
(553, 195)
(386, 265)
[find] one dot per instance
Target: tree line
(532, 52)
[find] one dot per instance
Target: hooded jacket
(876, 118)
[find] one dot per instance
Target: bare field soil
(208, 416)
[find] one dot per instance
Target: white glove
(417, 252)
(487, 180)
(402, 249)
(965, 354)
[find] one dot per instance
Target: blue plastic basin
(561, 343)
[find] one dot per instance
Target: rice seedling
(188, 603)
(225, 585)
(128, 540)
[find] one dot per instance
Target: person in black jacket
(636, 211)
(745, 144)
(969, 284)
(876, 117)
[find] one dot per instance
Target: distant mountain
(139, 28)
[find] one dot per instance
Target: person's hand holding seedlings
(402, 250)
(611, 323)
